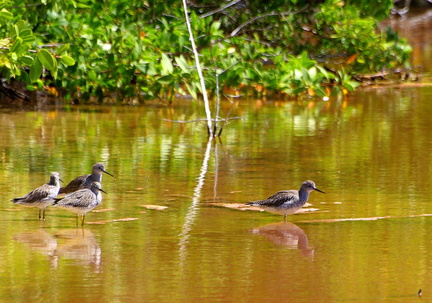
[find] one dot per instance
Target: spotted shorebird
(85, 181)
(287, 202)
(81, 201)
(42, 196)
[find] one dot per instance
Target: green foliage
(122, 48)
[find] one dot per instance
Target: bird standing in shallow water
(287, 202)
(85, 181)
(42, 196)
(82, 201)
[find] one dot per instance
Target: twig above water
(235, 32)
(201, 120)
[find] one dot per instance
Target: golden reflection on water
(78, 245)
(286, 234)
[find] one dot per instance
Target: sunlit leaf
(167, 67)
(46, 59)
(69, 61)
(312, 72)
(181, 61)
(5, 16)
(192, 91)
(35, 71)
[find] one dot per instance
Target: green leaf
(46, 59)
(24, 76)
(181, 61)
(5, 16)
(4, 42)
(55, 69)
(27, 36)
(92, 75)
(192, 90)
(36, 71)
(16, 44)
(319, 92)
(69, 61)
(165, 79)
(63, 48)
(142, 67)
(349, 86)
(312, 72)
(167, 67)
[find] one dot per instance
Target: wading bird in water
(85, 181)
(287, 202)
(42, 196)
(81, 201)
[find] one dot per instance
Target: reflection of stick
(200, 75)
(227, 119)
(218, 100)
(190, 216)
(216, 171)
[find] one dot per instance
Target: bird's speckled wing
(277, 199)
(37, 195)
(73, 198)
(73, 185)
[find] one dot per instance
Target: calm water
(367, 242)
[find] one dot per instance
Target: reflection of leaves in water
(286, 234)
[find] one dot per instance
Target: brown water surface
(368, 241)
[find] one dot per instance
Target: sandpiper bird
(42, 196)
(85, 181)
(287, 202)
(81, 201)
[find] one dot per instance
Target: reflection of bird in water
(76, 244)
(85, 181)
(39, 240)
(287, 202)
(42, 196)
(286, 234)
(79, 245)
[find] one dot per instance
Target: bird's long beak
(61, 180)
(108, 173)
(319, 190)
(103, 191)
